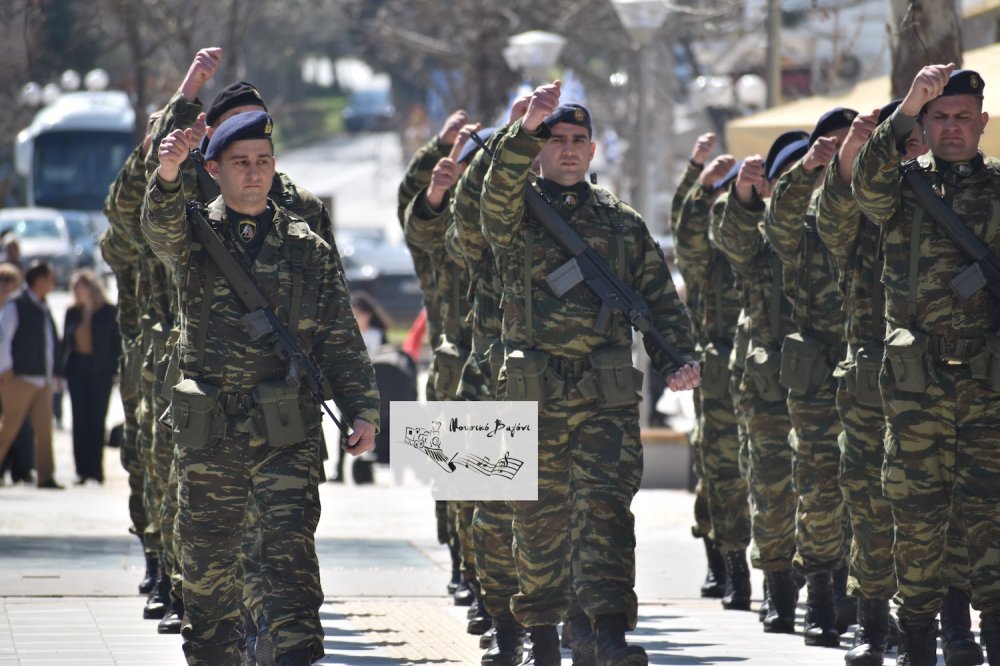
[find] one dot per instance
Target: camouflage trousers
(871, 572)
(728, 495)
(147, 416)
(941, 457)
(493, 536)
(168, 517)
(164, 489)
(215, 485)
(820, 519)
(460, 514)
(702, 526)
(743, 399)
(769, 477)
(576, 543)
(131, 393)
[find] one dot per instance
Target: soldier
(590, 456)
(232, 442)
(940, 381)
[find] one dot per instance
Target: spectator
(20, 460)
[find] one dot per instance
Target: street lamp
(533, 53)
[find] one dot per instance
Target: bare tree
(925, 32)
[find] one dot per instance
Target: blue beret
(729, 177)
(831, 121)
(470, 147)
(887, 110)
(573, 114)
(964, 82)
(241, 127)
(779, 144)
(788, 155)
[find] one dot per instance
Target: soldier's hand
(685, 378)
(716, 169)
(452, 126)
(702, 147)
(519, 108)
(174, 149)
(927, 85)
(861, 130)
(362, 440)
(203, 67)
(750, 177)
(544, 101)
(198, 130)
(820, 153)
(446, 173)
(464, 136)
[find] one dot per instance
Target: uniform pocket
(282, 414)
(196, 417)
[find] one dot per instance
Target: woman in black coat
(91, 344)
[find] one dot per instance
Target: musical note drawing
(429, 442)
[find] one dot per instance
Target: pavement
(69, 570)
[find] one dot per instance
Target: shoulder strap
(916, 229)
(528, 314)
(296, 257)
(776, 282)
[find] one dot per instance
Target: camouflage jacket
(810, 269)
(229, 360)
(688, 181)
(118, 244)
(564, 327)
(739, 234)
(854, 240)
(878, 187)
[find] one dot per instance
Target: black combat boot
(872, 634)
(171, 622)
(152, 573)
(612, 650)
(544, 646)
(783, 592)
(989, 634)
(714, 586)
(917, 643)
(765, 606)
(507, 646)
(299, 657)
(464, 595)
(957, 642)
(847, 607)
(159, 598)
(480, 620)
(582, 640)
(486, 639)
(456, 568)
(820, 625)
(737, 595)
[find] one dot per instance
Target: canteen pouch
(279, 407)
(868, 363)
(526, 375)
(196, 416)
(993, 369)
(449, 360)
(715, 370)
(763, 366)
(907, 354)
(612, 379)
(803, 363)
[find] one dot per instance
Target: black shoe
(152, 573)
(582, 640)
(872, 634)
(917, 643)
(612, 650)
(783, 596)
(957, 641)
(820, 625)
(544, 646)
(456, 568)
(507, 646)
(51, 485)
(464, 596)
(714, 585)
(737, 596)
(172, 621)
(989, 634)
(765, 605)
(159, 599)
(847, 607)
(481, 620)
(486, 639)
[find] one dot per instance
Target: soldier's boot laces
(989, 626)
(172, 621)
(957, 641)
(507, 646)
(582, 640)
(820, 624)
(917, 643)
(159, 598)
(783, 592)
(737, 595)
(612, 650)
(714, 586)
(872, 634)
(544, 646)
(847, 607)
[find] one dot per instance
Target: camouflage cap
(242, 127)
(788, 155)
(573, 114)
(235, 94)
(831, 121)
(779, 144)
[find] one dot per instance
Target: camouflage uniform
(590, 455)
(217, 477)
(941, 442)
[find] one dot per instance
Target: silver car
(42, 233)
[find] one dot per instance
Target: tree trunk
(924, 32)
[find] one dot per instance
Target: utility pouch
(804, 366)
(526, 376)
(763, 366)
(494, 361)
(993, 369)
(907, 354)
(868, 363)
(196, 417)
(279, 406)
(449, 360)
(715, 370)
(172, 373)
(613, 378)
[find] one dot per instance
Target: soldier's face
(244, 173)
(567, 154)
(953, 126)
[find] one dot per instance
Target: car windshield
(369, 99)
(42, 228)
(72, 170)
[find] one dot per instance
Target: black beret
(470, 147)
(788, 155)
(236, 94)
(729, 177)
(831, 121)
(888, 109)
(783, 140)
(964, 82)
(573, 114)
(241, 127)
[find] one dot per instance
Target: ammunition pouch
(715, 370)
(527, 375)
(197, 418)
(763, 367)
(173, 371)
(804, 363)
(612, 379)
(278, 406)
(907, 354)
(448, 361)
(862, 383)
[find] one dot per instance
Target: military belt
(954, 351)
(569, 368)
(237, 404)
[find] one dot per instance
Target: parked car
(369, 109)
(386, 272)
(42, 233)
(84, 238)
